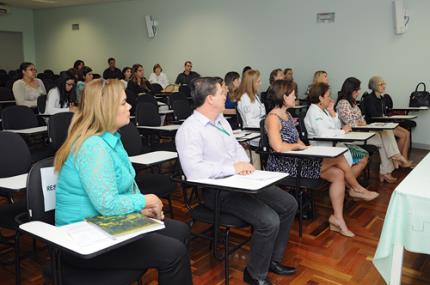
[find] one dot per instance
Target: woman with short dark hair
(158, 76)
(232, 82)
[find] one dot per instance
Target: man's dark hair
(110, 59)
(202, 87)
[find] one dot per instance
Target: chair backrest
(176, 96)
(387, 104)
(6, 94)
(15, 155)
(156, 87)
(18, 117)
(147, 98)
(181, 109)
(58, 126)
(363, 102)
(239, 119)
(131, 99)
(264, 146)
(41, 104)
(35, 197)
(185, 89)
(301, 128)
(147, 114)
(131, 139)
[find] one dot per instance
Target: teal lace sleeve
(98, 177)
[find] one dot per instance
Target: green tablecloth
(407, 221)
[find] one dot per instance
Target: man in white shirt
(208, 149)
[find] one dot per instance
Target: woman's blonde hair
(97, 114)
(247, 85)
(317, 76)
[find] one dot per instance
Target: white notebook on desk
(257, 180)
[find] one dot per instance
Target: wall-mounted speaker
(151, 26)
(400, 17)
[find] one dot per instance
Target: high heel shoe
(400, 160)
(365, 195)
(387, 177)
(334, 226)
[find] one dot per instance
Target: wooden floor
(321, 256)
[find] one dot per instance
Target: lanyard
(221, 129)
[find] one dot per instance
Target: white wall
(21, 20)
(224, 35)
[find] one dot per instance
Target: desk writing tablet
(30, 130)
(349, 137)
(153, 157)
(376, 127)
(81, 238)
(168, 128)
(319, 151)
(15, 182)
(249, 183)
(395, 117)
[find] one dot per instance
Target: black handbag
(419, 98)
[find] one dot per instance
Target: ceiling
(40, 4)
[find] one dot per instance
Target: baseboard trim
(421, 146)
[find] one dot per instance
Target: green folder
(125, 224)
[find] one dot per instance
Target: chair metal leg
(226, 256)
(17, 259)
(169, 199)
(300, 213)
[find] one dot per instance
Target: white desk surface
(7, 101)
(319, 151)
(255, 181)
(417, 181)
(81, 238)
(399, 117)
(164, 112)
(30, 131)
(153, 157)
(411, 108)
(378, 126)
(15, 182)
(357, 136)
(161, 128)
(241, 135)
(299, 107)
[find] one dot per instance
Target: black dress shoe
(280, 269)
(248, 279)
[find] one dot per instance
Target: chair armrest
(22, 218)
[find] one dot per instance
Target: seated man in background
(187, 75)
(112, 72)
(208, 149)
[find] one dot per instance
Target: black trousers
(164, 250)
(271, 213)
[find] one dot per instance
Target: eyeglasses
(70, 84)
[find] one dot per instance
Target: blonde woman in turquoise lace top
(96, 178)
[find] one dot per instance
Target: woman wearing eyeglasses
(29, 88)
(63, 97)
(374, 107)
